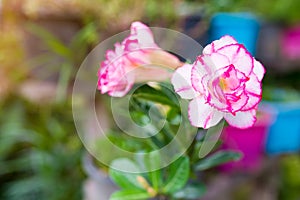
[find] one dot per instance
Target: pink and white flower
(224, 82)
(136, 59)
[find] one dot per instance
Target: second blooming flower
(224, 82)
(137, 59)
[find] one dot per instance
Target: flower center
(226, 89)
(223, 83)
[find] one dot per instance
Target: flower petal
(215, 45)
(241, 120)
(201, 68)
(258, 70)
(122, 87)
(151, 73)
(181, 81)
(218, 61)
(253, 85)
(163, 59)
(235, 106)
(239, 57)
(202, 114)
(143, 34)
(253, 101)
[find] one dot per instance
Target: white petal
(181, 81)
(218, 61)
(202, 114)
(200, 69)
(253, 85)
(240, 104)
(215, 45)
(242, 120)
(259, 70)
(253, 101)
(144, 34)
(243, 61)
(239, 57)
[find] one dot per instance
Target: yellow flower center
(223, 84)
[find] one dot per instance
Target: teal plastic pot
(284, 134)
(244, 27)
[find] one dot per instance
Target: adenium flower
(224, 82)
(136, 59)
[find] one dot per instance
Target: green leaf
(150, 94)
(130, 195)
(192, 191)
(156, 179)
(125, 180)
(140, 118)
(87, 35)
(53, 43)
(153, 165)
(174, 117)
(178, 176)
(216, 159)
(64, 78)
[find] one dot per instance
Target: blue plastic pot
(284, 133)
(244, 27)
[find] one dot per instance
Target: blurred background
(43, 42)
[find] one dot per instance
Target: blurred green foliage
(281, 11)
(283, 80)
(71, 55)
(290, 178)
(284, 87)
(280, 94)
(40, 152)
(13, 69)
(116, 15)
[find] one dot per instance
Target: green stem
(64, 77)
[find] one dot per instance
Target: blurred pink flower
(136, 59)
(224, 82)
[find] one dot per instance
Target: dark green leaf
(153, 165)
(178, 176)
(174, 117)
(150, 94)
(140, 118)
(124, 179)
(216, 159)
(156, 179)
(192, 191)
(130, 195)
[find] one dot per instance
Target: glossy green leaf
(124, 179)
(155, 179)
(216, 159)
(192, 191)
(153, 165)
(178, 175)
(151, 94)
(130, 195)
